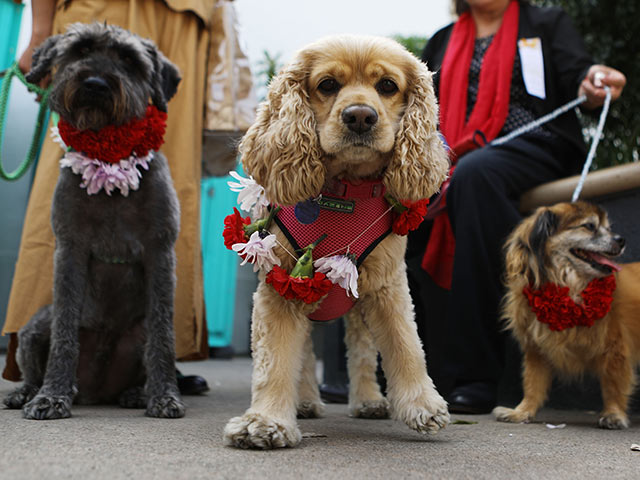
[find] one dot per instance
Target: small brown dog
(570, 245)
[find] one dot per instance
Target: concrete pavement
(106, 442)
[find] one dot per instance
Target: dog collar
(344, 189)
(553, 305)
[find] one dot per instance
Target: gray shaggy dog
(108, 336)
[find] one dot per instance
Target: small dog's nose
(359, 118)
(95, 84)
(620, 241)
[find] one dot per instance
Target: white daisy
(340, 269)
(258, 251)
(251, 197)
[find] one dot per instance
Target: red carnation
(307, 289)
(281, 282)
(410, 218)
(553, 306)
(114, 143)
(234, 229)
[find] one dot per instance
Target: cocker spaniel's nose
(359, 118)
(620, 241)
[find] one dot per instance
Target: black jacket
(566, 62)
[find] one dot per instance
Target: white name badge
(530, 50)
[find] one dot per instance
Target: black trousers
(482, 202)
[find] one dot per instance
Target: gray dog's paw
(48, 407)
(165, 406)
(133, 398)
(20, 396)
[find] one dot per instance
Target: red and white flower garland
(108, 159)
(255, 244)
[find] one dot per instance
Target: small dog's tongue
(602, 260)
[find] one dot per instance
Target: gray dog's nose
(359, 118)
(95, 84)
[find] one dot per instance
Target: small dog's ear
(281, 149)
(166, 76)
(525, 253)
(419, 164)
(546, 224)
(43, 59)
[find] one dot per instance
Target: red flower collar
(553, 306)
(114, 143)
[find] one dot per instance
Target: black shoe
(191, 384)
(473, 398)
(334, 393)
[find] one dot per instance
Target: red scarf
(114, 143)
(487, 117)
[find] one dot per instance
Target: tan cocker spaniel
(350, 109)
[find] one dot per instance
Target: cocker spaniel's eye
(590, 226)
(386, 87)
(329, 86)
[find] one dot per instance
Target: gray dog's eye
(329, 86)
(386, 87)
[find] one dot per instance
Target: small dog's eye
(386, 87)
(329, 86)
(85, 50)
(590, 226)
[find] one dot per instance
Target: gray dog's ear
(165, 79)
(43, 59)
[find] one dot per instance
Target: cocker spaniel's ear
(281, 149)
(419, 164)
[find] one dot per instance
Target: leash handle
(14, 71)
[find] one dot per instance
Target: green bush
(609, 29)
(414, 43)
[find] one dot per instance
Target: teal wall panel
(219, 264)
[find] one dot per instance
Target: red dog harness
(343, 211)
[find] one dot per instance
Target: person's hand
(593, 85)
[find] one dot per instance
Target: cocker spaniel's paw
(427, 415)
(47, 407)
(253, 430)
(133, 397)
(20, 396)
(613, 421)
(372, 409)
(310, 409)
(512, 415)
(165, 406)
